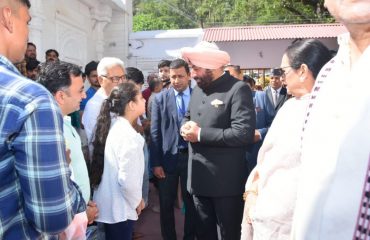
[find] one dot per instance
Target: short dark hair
(31, 44)
(164, 63)
(55, 76)
(25, 2)
(52, 50)
(154, 82)
(178, 63)
(32, 64)
(91, 66)
(311, 52)
(248, 79)
(277, 72)
(151, 76)
(235, 67)
(135, 75)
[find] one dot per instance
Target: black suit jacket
(225, 113)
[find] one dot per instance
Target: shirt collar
(8, 64)
(101, 92)
(186, 92)
(278, 90)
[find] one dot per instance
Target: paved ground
(149, 224)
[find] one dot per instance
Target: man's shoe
(137, 235)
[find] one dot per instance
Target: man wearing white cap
(219, 125)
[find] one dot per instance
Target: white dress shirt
(275, 95)
(120, 190)
(91, 114)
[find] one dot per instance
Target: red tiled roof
(271, 32)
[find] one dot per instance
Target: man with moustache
(30, 55)
(111, 72)
(164, 72)
(31, 51)
(51, 55)
(169, 151)
(267, 104)
(32, 68)
(65, 83)
(219, 125)
(92, 77)
(333, 195)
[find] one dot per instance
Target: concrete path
(149, 223)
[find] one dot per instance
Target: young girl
(118, 162)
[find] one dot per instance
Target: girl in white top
(118, 161)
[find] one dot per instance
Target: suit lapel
(282, 96)
(171, 104)
(269, 96)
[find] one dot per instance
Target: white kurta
(120, 190)
(278, 170)
(335, 151)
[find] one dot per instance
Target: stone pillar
(36, 26)
(101, 16)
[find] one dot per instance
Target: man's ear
(6, 18)
(100, 80)
(59, 97)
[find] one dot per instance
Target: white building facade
(81, 30)
(147, 48)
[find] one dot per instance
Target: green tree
(175, 14)
(160, 15)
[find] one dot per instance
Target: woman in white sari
(271, 187)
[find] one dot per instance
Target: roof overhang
(273, 32)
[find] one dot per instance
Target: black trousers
(120, 230)
(167, 195)
(226, 212)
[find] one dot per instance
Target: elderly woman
(271, 187)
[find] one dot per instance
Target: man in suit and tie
(267, 104)
(169, 151)
(220, 125)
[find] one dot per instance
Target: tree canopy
(182, 14)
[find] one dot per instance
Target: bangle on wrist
(246, 193)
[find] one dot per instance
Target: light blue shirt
(185, 96)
